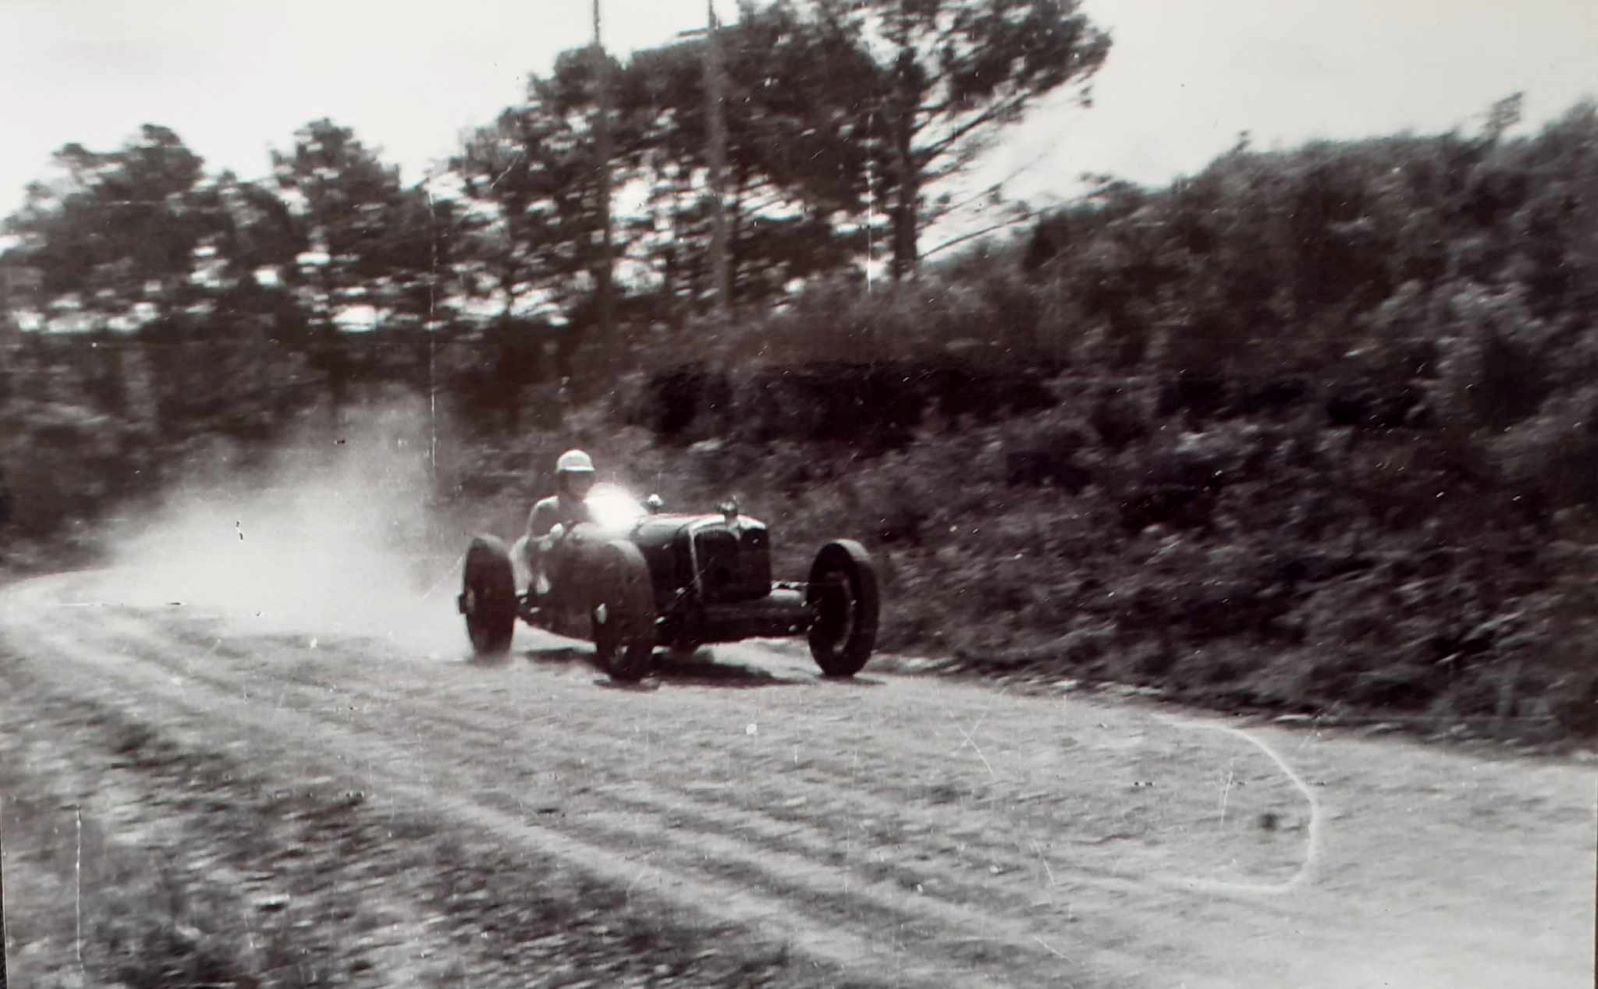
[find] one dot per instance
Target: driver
(554, 516)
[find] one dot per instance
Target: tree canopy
(950, 75)
(840, 121)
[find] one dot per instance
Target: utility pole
(716, 158)
(603, 275)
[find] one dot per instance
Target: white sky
(235, 78)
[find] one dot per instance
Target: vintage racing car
(638, 578)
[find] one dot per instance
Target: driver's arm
(544, 527)
(539, 522)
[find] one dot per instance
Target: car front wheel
(488, 596)
(843, 594)
(623, 612)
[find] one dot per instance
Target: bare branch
(998, 111)
(963, 238)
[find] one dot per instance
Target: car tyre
(488, 596)
(623, 613)
(843, 592)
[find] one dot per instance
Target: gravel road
(393, 812)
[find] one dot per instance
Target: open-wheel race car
(637, 579)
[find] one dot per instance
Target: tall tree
(354, 219)
(111, 239)
(795, 188)
(361, 251)
(952, 74)
(256, 233)
(529, 219)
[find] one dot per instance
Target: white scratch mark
(520, 152)
(1312, 851)
(432, 343)
(1038, 848)
(1056, 952)
(971, 741)
(643, 867)
(77, 899)
(1226, 790)
(453, 569)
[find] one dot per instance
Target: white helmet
(574, 462)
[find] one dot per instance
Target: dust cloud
(334, 534)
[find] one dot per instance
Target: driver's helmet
(574, 462)
(571, 470)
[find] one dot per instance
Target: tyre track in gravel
(886, 803)
(427, 789)
(795, 790)
(934, 963)
(797, 833)
(1130, 888)
(106, 794)
(334, 852)
(883, 885)
(775, 840)
(888, 897)
(651, 816)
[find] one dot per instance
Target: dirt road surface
(361, 809)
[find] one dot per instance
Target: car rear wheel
(843, 592)
(623, 612)
(488, 596)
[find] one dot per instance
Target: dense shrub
(1314, 429)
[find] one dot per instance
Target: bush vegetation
(1314, 429)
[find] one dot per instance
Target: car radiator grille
(734, 565)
